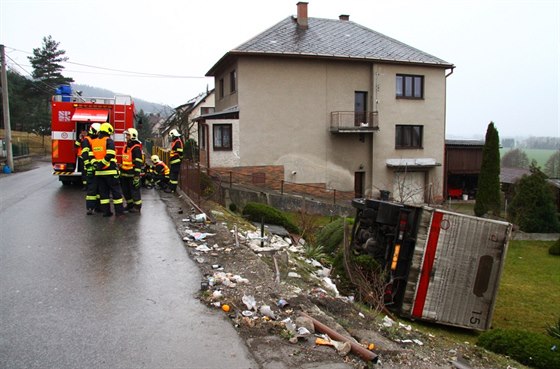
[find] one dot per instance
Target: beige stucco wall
(428, 112)
(229, 99)
(285, 107)
(224, 158)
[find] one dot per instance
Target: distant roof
(554, 181)
(512, 175)
(330, 38)
(464, 142)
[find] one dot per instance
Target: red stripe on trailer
(429, 258)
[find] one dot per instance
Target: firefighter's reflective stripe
(176, 153)
(165, 169)
(55, 149)
(127, 163)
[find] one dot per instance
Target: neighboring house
(463, 160)
(202, 104)
(330, 102)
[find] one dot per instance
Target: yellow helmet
(94, 128)
(132, 132)
(155, 158)
(174, 133)
(107, 128)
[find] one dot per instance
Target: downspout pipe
(445, 164)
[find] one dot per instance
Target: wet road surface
(80, 291)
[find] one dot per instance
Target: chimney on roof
(302, 15)
(344, 17)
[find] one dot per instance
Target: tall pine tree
(46, 66)
(46, 62)
(488, 193)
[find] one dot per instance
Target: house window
(221, 87)
(408, 137)
(222, 137)
(409, 86)
(206, 110)
(232, 81)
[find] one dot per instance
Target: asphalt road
(80, 291)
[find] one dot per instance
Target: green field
(541, 156)
(529, 295)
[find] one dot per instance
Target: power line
(129, 73)
(50, 88)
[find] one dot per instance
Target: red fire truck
(72, 114)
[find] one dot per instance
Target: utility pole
(6, 109)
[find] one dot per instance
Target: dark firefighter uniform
(92, 197)
(161, 173)
(106, 172)
(175, 159)
(130, 171)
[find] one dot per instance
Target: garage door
(408, 187)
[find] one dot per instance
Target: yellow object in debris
(225, 307)
(371, 346)
(321, 341)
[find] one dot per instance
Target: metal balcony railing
(354, 122)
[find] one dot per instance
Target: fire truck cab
(72, 115)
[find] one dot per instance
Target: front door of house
(359, 184)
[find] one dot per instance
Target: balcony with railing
(354, 122)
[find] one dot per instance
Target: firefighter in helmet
(92, 196)
(175, 159)
(161, 180)
(106, 171)
(130, 171)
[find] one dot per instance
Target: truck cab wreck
(440, 266)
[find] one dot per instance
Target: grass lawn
(529, 295)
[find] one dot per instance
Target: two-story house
(330, 102)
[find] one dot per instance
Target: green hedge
(257, 212)
(529, 348)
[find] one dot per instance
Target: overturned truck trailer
(442, 267)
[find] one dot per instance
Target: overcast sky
(506, 52)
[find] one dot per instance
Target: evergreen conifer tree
(532, 207)
(488, 193)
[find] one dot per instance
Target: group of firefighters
(104, 179)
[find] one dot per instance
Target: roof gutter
(450, 73)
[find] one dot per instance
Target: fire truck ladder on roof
(119, 112)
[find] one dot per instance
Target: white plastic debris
(407, 327)
(330, 285)
(267, 311)
(293, 275)
(290, 326)
(202, 248)
(302, 331)
(418, 342)
(250, 302)
(388, 322)
(361, 315)
(217, 294)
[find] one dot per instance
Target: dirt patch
(267, 292)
